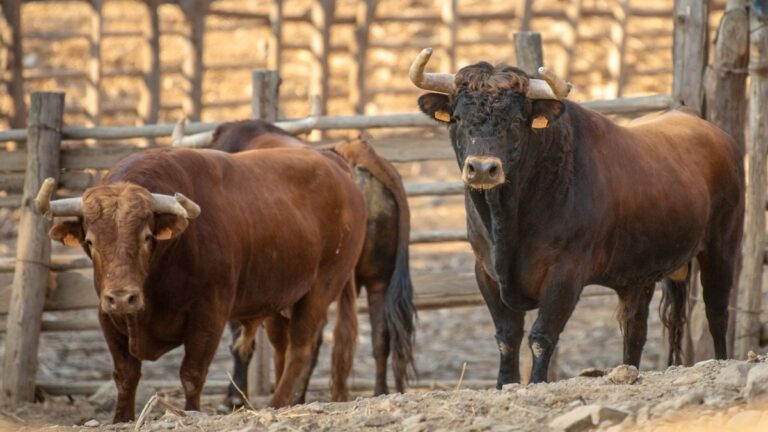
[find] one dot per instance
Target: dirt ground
(710, 396)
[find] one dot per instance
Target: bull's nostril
(493, 172)
(132, 299)
(110, 300)
(471, 169)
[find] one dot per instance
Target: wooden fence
(70, 286)
(622, 62)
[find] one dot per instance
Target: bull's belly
(642, 266)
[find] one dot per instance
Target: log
(528, 53)
(12, 12)
(33, 252)
(438, 236)
(725, 91)
(366, 9)
(747, 335)
(690, 52)
(434, 189)
(448, 35)
(67, 290)
(274, 59)
(194, 14)
(93, 87)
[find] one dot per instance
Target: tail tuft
(674, 315)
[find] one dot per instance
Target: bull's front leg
(509, 328)
(200, 343)
(556, 307)
(127, 370)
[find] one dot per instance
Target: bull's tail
(400, 316)
(674, 314)
(344, 341)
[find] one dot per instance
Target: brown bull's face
(490, 121)
(119, 231)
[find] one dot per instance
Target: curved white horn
(540, 89)
(560, 86)
(295, 127)
(203, 139)
(438, 82)
(191, 207)
(62, 207)
(178, 131)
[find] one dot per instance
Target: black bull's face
(490, 131)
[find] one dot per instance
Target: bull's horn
(539, 89)
(438, 82)
(62, 207)
(295, 127)
(203, 139)
(178, 131)
(560, 86)
(193, 210)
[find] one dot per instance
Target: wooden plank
(725, 95)
(434, 188)
(69, 290)
(102, 157)
(58, 263)
(526, 16)
(33, 253)
(690, 52)
(275, 54)
(12, 12)
(449, 34)
(93, 87)
(150, 97)
(438, 236)
(266, 88)
(366, 10)
(618, 58)
(747, 335)
(322, 20)
(194, 14)
(14, 182)
(528, 53)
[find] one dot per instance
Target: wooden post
(194, 11)
(725, 95)
(366, 9)
(12, 12)
(449, 14)
(93, 89)
(33, 252)
(617, 63)
(747, 335)
(150, 99)
(266, 92)
(529, 57)
(690, 52)
(526, 16)
(276, 36)
(574, 16)
(322, 21)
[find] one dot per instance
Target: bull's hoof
(230, 403)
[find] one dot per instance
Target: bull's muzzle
(122, 302)
(483, 172)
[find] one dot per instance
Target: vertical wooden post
(529, 56)
(150, 106)
(725, 95)
(366, 9)
(12, 12)
(93, 89)
(322, 21)
(690, 52)
(194, 11)
(574, 16)
(526, 16)
(747, 335)
(266, 92)
(276, 36)
(33, 252)
(449, 14)
(617, 62)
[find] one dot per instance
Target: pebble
(704, 363)
(752, 357)
(623, 374)
(510, 386)
(91, 423)
(592, 372)
(587, 417)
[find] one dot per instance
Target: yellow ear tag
(70, 240)
(539, 122)
(165, 234)
(443, 116)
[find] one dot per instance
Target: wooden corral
(353, 54)
(70, 286)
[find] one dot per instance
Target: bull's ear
(69, 233)
(437, 106)
(168, 226)
(544, 112)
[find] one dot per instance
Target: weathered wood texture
(322, 21)
(33, 252)
(93, 87)
(366, 10)
(150, 98)
(725, 87)
(12, 13)
(266, 90)
(690, 51)
(747, 336)
(194, 13)
(275, 54)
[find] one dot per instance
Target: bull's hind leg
(717, 278)
(239, 373)
(634, 304)
(379, 336)
(277, 332)
(509, 328)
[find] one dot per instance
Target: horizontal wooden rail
(611, 106)
(434, 188)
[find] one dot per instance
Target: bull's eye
(88, 243)
(148, 238)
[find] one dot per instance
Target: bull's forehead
(489, 111)
(124, 205)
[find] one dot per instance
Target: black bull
(559, 197)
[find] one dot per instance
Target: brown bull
(559, 197)
(383, 267)
(276, 230)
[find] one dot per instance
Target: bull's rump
(670, 184)
(270, 221)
